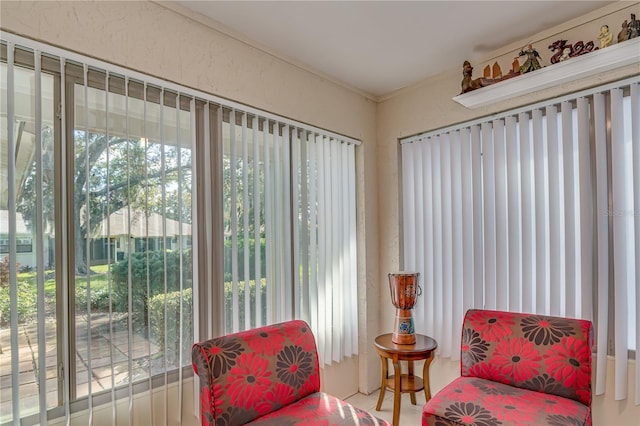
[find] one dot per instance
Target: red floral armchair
(518, 369)
(268, 376)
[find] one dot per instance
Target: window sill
(610, 58)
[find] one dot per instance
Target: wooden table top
(424, 345)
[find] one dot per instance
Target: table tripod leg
(412, 394)
(383, 385)
(425, 377)
(397, 392)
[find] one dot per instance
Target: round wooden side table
(399, 383)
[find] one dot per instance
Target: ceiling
(378, 47)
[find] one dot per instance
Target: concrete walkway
(107, 365)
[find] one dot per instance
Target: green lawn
(98, 280)
(28, 291)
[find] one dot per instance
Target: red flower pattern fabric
(248, 380)
(518, 368)
(517, 358)
(492, 325)
(266, 343)
(294, 365)
(300, 337)
(268, 375)
(487, 370)
(473, 348)
(507, 406)
(565, 362)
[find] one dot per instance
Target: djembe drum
(404, 289)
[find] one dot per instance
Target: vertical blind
(135, 193)
(534, 210)
(290, 245)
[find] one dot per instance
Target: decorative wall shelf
(607, 59)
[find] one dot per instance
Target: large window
(531, 211)
(120, 295)
(138, 216)
(131, 183)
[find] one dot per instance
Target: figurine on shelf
(577, 49)
(515, 66)
(469, 84)
(634, 27)
(492, 75)
(623, 35)
(605, 37)
(566, 54)
(497, 71)
(532, 63)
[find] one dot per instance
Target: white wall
(428, 106)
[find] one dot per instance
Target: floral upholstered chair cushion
(255, 372)
(319, 409)
(518, 369)
(270, 376)
(481, 402)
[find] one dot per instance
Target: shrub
(171, 335)
(228, 302)
(156, 267)
(99, 298)
(27, 296)
(240, 256)
(4, 271)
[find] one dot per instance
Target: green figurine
(532, 63)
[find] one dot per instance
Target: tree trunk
(79, 242)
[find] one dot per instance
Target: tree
(125, 172)
(26, 203)
(111, 173)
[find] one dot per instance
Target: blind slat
(478, 218)
(635, 137)
(489, 219)
(13, 279)
(456, 312)
(428, 209)
(234, 223)
(602, 233)
(585, 206)
(39, 231)
(246, 209)
(468, 276)
(514, 229)
(436, 177)
(285, 227)
(447, 247)
(541, 214)
(571, 212)
(556, 255)
(527, 194)
(622, 225)
(257, 206)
